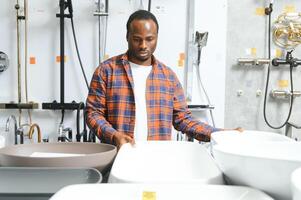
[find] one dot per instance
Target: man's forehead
(143, 23)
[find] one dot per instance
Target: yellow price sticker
(180, 63)
(282, 83)
(260, 11)
(278, 53)
(146, 195)
(253, 51)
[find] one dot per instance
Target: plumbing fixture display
(4, 62)
(287, 30)
(20, 105)
(201, 41)
(63, 4)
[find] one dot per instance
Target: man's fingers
(239, 129)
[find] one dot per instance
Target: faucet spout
(31, 131)
(12, 117)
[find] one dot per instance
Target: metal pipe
(62, 49)
(17, 7)
(253, 61)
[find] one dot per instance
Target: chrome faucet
(62, 137)
(17, 131)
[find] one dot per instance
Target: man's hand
(239, 129)
(119, 139)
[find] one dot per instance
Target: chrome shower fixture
(287, 30)
(201, 38)
(4, 62)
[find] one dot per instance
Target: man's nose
(143, 44)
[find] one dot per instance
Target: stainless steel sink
(41, 183)
(90, 155)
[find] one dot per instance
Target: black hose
(63, 115)
(78, 55)
(149, 5)
(78, 134)
(268, 79)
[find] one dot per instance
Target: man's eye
(150, 39)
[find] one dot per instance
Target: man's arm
(96, 107)
(97, 110)
(183, 120)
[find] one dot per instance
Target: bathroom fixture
(21, 183)
(253, 61)
(64, 134)
(84, 133)
(158, 191)
(266, 166)
(31, 131)
(17, 131)
(63, 4)
(28, 105)
(164, 162)
(288, 129)
(4, 62)
(285, 94)
(287, 30)
(61, 154)
(102, 14)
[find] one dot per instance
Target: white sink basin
(265, 166)
(164, 162)
(226, 137)
(158, 192)
(296, 184)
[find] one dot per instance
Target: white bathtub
(158, 192)
(164, 162)
(265, 166)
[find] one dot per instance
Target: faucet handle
(20, 133)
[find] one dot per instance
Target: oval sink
(158, 191)
(225, 137)
(265, 166)
(296, 184)
(90, 155)
(164, 162)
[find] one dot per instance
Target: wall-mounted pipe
(253, 61)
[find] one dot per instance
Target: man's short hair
(141, 15)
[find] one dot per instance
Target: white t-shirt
(140, 74)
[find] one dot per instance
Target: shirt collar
(125, 58)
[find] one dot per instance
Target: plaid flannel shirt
(111, 103)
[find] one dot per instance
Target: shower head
(201, 38)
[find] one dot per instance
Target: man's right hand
(119, 139)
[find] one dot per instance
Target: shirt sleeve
(96, 107)
(183, 120)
